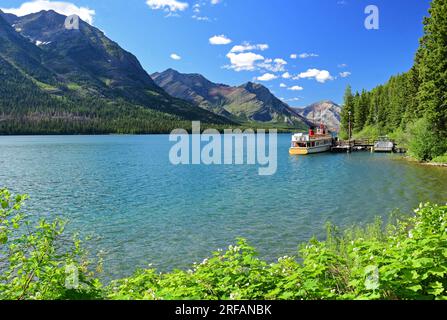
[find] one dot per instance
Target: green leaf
(415, 288)
(418, 263)
(438, 271)
(436, 288)
(3, 238)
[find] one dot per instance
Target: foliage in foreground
(36, 262)
(406, 259)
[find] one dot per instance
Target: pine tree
(432, 68)
(361, 111)
(412, 109)
(347, 113)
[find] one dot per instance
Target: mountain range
(61, 68)
(327, 112)
(245, 103)
(56, 80)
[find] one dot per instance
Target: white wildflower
(234, 296)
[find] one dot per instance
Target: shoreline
(434, 164)
(427, 164)
(267, 129)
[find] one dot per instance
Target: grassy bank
(405, 259)
(440, 160)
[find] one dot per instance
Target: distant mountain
(22, 54)
(10, 18)
(326, 112)
(194, 88)
(100, 62)
(83, 64)
(248, 102)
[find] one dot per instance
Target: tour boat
(314, 142)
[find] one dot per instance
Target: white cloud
(283, 85)
(220, 40)
(308, 55)
(249, 47)
(277, 65)
(293, 56)
(291, 100)
(320, 75)
(296, 88)
(286, 75)
(243, 61)
(280, 61)
(343, 65)
(196, 8)
(200, 18)
(64, 8)
(175, 56)
(267, 77)
(345, 74)
(167, 5)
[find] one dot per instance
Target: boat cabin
(384, 144)
(317, 140)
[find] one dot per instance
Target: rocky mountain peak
(248, 102)
(326, 111)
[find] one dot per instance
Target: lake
(141, 210)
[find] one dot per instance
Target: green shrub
(368, 132)
(424, 143)
(36, 262)
(440, 159)
(401, 137)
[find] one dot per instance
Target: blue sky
(328, 37)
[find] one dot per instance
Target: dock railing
(355, 143)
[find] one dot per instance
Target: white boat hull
(319, 149)
(310, 150)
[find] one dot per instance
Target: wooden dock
(346, 146)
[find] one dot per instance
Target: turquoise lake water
(140, 209)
